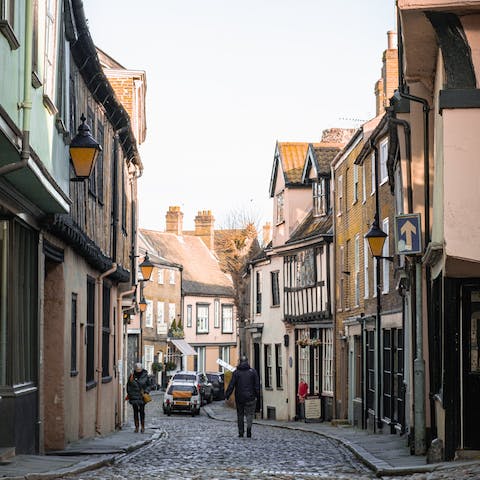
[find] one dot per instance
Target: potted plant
(157, 367)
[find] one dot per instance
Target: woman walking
(138, 384)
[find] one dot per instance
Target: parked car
(181, 396)
(218, 383)
(201, 381)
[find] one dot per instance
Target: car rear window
(184, 376)
(182, 388)
(213, 377)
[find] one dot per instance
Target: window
(386, 263)
(372, 162)
(92, 179)
(216, 314)
(341, 293)
(275, 289)
(346, 274)
(161, 328)
(171, 313)
(189, 316)
(304, 356)
(366, 279)
(268, 366)
(280, 208)
(202, 318)
(357, 351)
(364, 185)
(224, 353)
(227, 318)
(258, 291)
(171, 277)
(148, 352)
(149, 314)
(73, 334)
(327, 361)
(160, 276)
(305, 264)
(7, 22)
(50, 47)
(319, 198)
(90, 332)
(383, 161)
(357, 269)
(200, 359)
(340, 194)
(355, 183)
(106, 331)
(278, 366)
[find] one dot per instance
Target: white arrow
(408, 229)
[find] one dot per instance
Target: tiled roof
(324, 154)
(292, 155)
(201, 270)
(311, 227)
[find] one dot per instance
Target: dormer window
(319, 198)
(279, 206)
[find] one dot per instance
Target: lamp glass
(142, 305)
(83, 159)
(376, 239)
(146, 267)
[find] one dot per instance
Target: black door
(471, 366)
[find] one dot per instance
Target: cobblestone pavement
(201, 448)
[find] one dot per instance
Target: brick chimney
(386, 86)
(174, 220)
(204, 227)
(267, 233)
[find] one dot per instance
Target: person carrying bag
(138, 394)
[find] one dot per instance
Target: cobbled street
(199, 447)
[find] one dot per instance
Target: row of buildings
(388, 340)
(68, 239)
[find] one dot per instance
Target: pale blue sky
(226, 79)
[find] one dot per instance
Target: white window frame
(372, 163)
(161, 276)
(383, 154)
(268, 366)
(355, 183)
(148, 352)
(201, 358)
(160, 312)
(189, 316)
(225, 356)
(227, 318)
(366, 280)
(340, 194)
(171, 274)
(386, 253)
(364, 184)
(216, 313)
(280, 207)
(149, 314)
(202, 317)
(50, 49)
(327, 361)
(319, 198)
(172, 312)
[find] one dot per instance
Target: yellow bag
(147, 397)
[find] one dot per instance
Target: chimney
(204, 227)
(386, 86)
(174, 220)
(267, 233)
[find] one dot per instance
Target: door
(471, 366)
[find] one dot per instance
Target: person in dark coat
(138, 383)
(246, 383)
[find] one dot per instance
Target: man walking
(246, 383)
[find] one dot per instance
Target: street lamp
(84, 150)
(142, 304)
(376, 238)
(146, 267)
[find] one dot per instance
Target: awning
(183, 346)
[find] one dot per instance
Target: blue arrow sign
(408, 234)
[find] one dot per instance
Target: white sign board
(225, 365)
(313, 408)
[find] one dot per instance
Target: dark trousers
(247, 410)
(138, 409)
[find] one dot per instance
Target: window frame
(216, 313)
(327, 361)
(383, 159)
(319, 196)
(340, 194)
(278, 366)
(386, 253)
(7, 23)
(205, 319)
(225, 308)
(149, 314)
(189, 316)
(280, 207)
(268, 378)
(275, 287)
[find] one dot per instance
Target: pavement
(386, 455)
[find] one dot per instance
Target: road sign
(408, 234)
(225, 365)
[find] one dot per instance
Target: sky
(226, 79)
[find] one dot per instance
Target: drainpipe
(99, 342)
(124, 350)
(419, 362)
(332, 298)
(3, 300)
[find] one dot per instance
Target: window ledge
(36, 82)
(49, 105)
(74, 373)
(91, 385)
(107, 379)
(7, 31)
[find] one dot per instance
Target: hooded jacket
(246, 383)
(138, 383)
